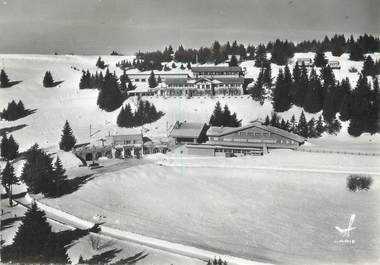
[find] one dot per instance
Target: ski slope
(66, 102)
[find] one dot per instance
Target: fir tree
(356, 53)
(34, 242)
(293, 124)
(217, 116)
(267, 120)
(281, 93)
(333, 127)
(59, 177)
(68, 140)
(300, 85)
(9, 148)
(109, 97)
(188, 66)
(373, 120)
(261, 56)
(258, 91)
(4, 80)
(38, 171)
(8, 179)
(313, 98)
(320, 128)
(48, 80)
(311, 130)
(302, 125)
(320, 59)
(233, 61)
(369, 67)
(152, 80)
(100, 63)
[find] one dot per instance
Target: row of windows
(256, 134)
(203, 86)
(218, 73)
(272, 141)
(126, 142)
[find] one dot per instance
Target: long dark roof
(221, 131)
(217, 69)
(176, 80)
(187, 130)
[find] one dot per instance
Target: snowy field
(54, 105)
(277, 216)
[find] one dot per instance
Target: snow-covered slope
(66, 102)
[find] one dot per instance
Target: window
(227, 139)
(216, 138)
(137, 80)
(257, 134)
(143, 80)
(265, 134)
(242, 133)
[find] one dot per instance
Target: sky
(101, 26)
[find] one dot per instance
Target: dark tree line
(145, 113)
(223, 117)
(280, 51)
(94, 81)
(263, 84)
(306, 128)
(14, 111)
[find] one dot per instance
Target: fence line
(326, 151)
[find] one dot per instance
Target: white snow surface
(66, 102)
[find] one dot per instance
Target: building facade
(253, 138)
(206, 81)
(189, 132)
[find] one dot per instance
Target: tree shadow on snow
(12, 83)
(7, 223)
(56, 83)
(71, 185)
(14, 196)
(107, 256)
(12, 128)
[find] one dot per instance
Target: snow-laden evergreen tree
(9, 148)
(258, 92)
(152, 80)
(356, 53)
(48, 80)
(68, 139)
(300, 85)
(373, 121)
(35, 242)
(109, 97)
(188, 66)
(261, 56)
(281, 93)
(320, 59)
(311, 130)
(8, 179)
(369, 67)
(314, 97)
(4, 80)
(233, 61)
(302, 125)
(100, 63)
(216, 118)
(59, 177)
(293, 124)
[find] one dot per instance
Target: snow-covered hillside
(66, 102)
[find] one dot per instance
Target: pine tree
(9, 148)
(320, 59)
(258, 91)
(38, 171)
(373, 121)
(8, 179)
(320, 128)
(233, 61)
(4, 80)
(216, 118)
(100, 63)
(48, 80)
(356, 53)
(369, 67)
(300, 85)
(109, 97)
(333, 127)
(311, 130)
(68, 140)
(293, 124)
(4, 146)
(59, 177)
(35, 242)
(275, 120)
(281, 93)
(152, 80)
(261, 56)
(302, 125)
(188, 65)
(313, 98)
(267, 120)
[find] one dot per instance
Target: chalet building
(120, 146)
(206, 81)
(334, 64)
(253, 138)
(307, 61)
(189, 132)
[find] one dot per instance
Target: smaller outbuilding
(189, 132)
(334, 64)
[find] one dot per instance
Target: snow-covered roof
(217, 69)
(187, 129)
(221, 131)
